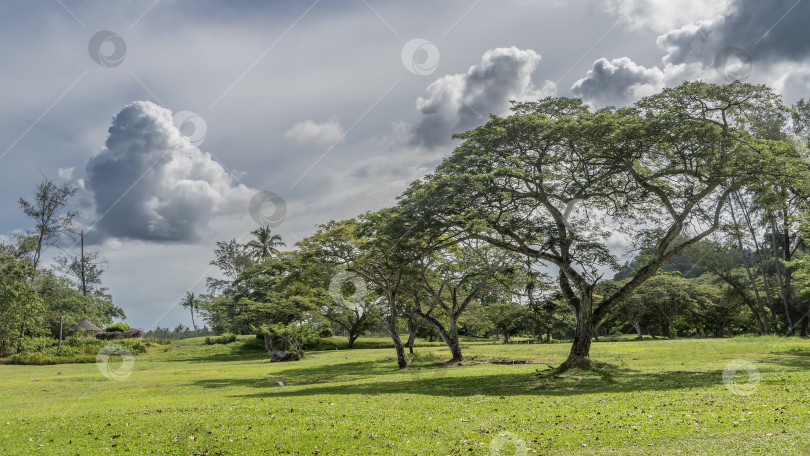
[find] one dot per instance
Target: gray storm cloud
(458, 102)
(150, 183)
(770, 32)
(773, 30)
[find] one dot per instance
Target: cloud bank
(150, 183)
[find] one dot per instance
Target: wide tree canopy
(571, 187)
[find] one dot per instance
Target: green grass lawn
(665, 397)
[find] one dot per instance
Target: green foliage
(294, 337)
(20, 305)
(44, 350)
(117, 327)
(226, 338)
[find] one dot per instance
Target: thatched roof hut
(84, 325)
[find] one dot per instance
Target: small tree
(507, 317)
(48, 209)
(20, 305)
(192, 303)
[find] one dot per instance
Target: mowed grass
(665, 397)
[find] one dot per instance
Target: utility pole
(84, 282)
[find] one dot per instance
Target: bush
(133, 333)
(324, 344)
(39, 359)
(223, 339)
(325, 331)
(74, 350)
(117, 327)
(127, 334)
(32, 345)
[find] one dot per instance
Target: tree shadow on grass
(372, 377)
(378, 377)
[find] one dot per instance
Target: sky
(187, 122)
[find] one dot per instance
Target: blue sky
(331, 105)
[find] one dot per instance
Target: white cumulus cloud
(616, 81)
(457, 102)
(150, 183)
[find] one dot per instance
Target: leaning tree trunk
(412, 328)
(637, 327)
(450, 338)
(391, 328)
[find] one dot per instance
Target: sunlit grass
(659, 397)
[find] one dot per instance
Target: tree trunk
(352, 337)
(454, 345)
(450, 338)
(61, 320)
(782, 287)
(268, 343)
(766, 324)
(580, 353)
(637, 327)
(22, 332)
(412, 328)
(391, 328)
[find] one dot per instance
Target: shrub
(119, 327)
(223, 339)
(31, 345)
(74, 350)
(39, 359)
(133, 333)
(127, 334)
(325, 331)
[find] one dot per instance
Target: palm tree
(193, 304)
(265, 243)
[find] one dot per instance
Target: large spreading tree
(563, 185)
